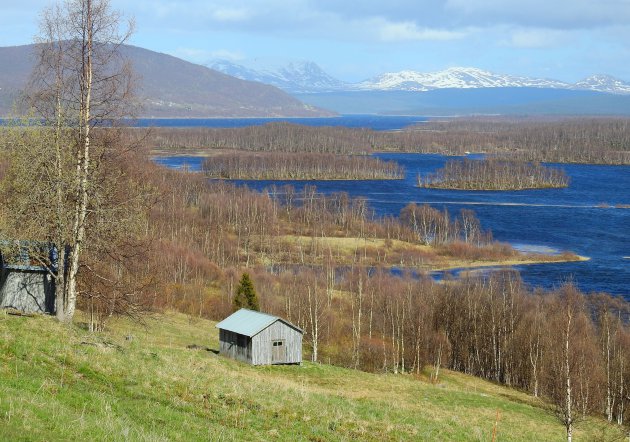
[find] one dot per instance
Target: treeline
(493, 174)
(566, 140)
(300, 166)
(271, 137)
(558, 140)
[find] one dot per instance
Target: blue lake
(375, 122)
(581, 218)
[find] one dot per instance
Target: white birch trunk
(567, 367)
(83, 165)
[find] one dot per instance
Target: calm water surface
(375, 122)
(581, 218)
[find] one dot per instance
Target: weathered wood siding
(27, 291)
(262, 344)
(235, 346)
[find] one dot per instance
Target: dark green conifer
(246, 294)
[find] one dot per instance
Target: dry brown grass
(380, 251)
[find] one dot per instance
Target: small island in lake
(300, 166)
(494, 174)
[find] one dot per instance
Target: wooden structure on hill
(260, 339)
(26, 281)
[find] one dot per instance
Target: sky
(566, 40)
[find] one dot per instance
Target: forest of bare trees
(234, 226)
(300, 166)
(565, 140)
(493, 174)
(491, 327)
(271, 137)
(561, 140)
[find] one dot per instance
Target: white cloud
(201, 56)
(537, 38)
(409, 31)
(555, 14)
(576, 32)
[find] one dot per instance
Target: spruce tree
(246, 294)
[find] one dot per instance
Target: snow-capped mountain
(458, 78)
(308, 77)
(603, 83)
(242, 72)
(299, 77)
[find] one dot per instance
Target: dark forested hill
(171, 87)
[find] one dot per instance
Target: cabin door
(278, 352)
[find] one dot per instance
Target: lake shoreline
(588, 217)
(511, 263)
(485, 189)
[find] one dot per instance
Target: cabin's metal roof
(250, 323)
(27, 255)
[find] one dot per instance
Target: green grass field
(136, 382)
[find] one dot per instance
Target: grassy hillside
(142, 383)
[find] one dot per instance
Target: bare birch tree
(80, 87)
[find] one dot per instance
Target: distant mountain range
(308, 77)
(303, 77)
(452, 78)
(473, 78)
(170, 87)
(454, 91)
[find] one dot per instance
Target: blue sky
(562, 39)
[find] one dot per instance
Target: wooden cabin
(26, 282)
(260, 339)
